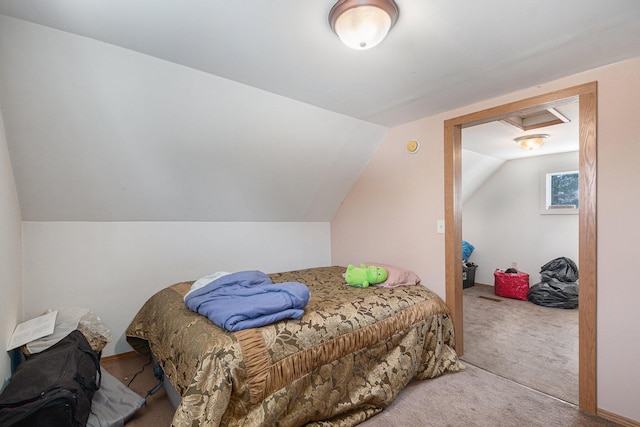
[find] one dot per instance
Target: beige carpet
(477, 398)
(472, 398)
(533, 345)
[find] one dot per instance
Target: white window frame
(546, 207)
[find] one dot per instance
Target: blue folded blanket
(248, 299)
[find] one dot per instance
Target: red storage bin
(511, 285)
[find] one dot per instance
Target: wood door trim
(587, 245)
(586, 94)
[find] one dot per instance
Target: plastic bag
(559, 286)
(95, 331)
(467, 250)
(68, 319)
(562, 269)
(554, 293)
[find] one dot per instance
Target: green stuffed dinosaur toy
(364, 276)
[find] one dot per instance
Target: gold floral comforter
(344, 361)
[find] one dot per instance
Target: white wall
(476, 169)
(10, 258)
(502, 219)
(391, 212)
(101, 133)
(112, 268)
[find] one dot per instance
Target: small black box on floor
(468, 275)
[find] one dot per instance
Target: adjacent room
(514, 223)
(152, 149)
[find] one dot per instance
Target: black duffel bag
(54, 387)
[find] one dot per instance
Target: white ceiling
(496, 139)
(253, 110)
(440, 54)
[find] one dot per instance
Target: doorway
(586, 95)
(505, 216)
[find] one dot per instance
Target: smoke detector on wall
(413, 146)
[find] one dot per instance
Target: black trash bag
(562, 269)
(554, 293)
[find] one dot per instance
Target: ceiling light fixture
(531, 142)
(362, 24)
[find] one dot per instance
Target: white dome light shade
(363, 27)
(531, 142)
(363, 24)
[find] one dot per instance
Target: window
(561, 191)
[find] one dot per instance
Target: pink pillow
(397, 276)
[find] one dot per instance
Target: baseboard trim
(119, 356)
(482, 285)
(617, 418)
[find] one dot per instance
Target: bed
(344, 361)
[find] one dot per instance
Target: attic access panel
(495, 138)
(536, 120)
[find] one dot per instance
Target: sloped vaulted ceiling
(98, 132)
(253, 110)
